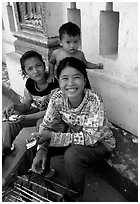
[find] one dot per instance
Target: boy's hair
(69, 28)
(77, 64)
(27, 55)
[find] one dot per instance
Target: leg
(77, 159)
(27, 160)
(53, 151)
(11, 130)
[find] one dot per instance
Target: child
(69, 36)
(31, 110)
(88, 137)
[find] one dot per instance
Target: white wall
(56, 14)
(118, 82)
(7, 36)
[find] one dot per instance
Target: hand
(50, 79)
(38, 165)
(44, 100)
(100, 66)
(20, 118)
(8, 111)
(43, 136)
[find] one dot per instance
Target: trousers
(76, 161)
(12, 129)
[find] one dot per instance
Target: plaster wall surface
(121, 101)
(118, 81)
(16, 81)
(123, 66)
(56, 16)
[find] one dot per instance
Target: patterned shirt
(32, 93)
(84, 125)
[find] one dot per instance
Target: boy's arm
(52, 63)
(91, 65)
(51, 71)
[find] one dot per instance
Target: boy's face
(35, 68)
(70, 44)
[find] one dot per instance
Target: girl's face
(70, 44)
(72, 83)
(35, 69)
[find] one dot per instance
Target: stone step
(121, 169)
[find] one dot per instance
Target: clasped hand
(8, 111)
(38, 165)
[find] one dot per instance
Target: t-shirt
(87, 124)
(36, 95)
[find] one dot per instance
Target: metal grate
(34, 187)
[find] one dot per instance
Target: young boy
(69, 36)
(31, 110)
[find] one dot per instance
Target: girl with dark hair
(32, 109)
(86, 136)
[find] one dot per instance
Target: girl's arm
(37, 115)
(25, 104)
(22, 107)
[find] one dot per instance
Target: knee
(71, 156)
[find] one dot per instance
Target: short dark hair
(27, 55)
(77, 64)
(69, 28)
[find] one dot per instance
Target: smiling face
(72, 83)
(70, 44)
(35, 69)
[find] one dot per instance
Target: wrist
(41, 148)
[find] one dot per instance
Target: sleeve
(94, 128)
(53, 119)
(97, 127)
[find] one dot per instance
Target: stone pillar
(74, 14)
(32, 34)
(32, 31)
